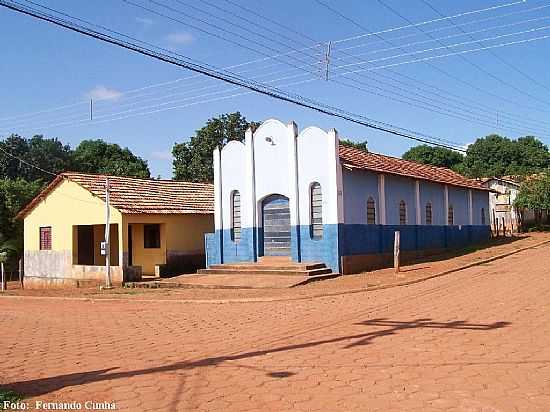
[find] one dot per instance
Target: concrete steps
(268, 267)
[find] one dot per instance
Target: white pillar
(218, 218)
(417, 198)
(335, 179)
(470, 208)
(294, 201)
(381, 200)
(446, 206)
(250, 187)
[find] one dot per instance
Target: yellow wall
(182, 233)
(68, 205)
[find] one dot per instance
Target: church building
(309, 198)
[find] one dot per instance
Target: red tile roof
(137, 196)
(358, 159)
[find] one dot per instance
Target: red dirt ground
(478, 339)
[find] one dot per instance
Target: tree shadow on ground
(38, 387)
(449, 254)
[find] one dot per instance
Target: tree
(14, 194)
(193, 159)
(534, 194)
(48, 154)
(97, 156)
(495, 155)
(356, 145)
(435, 156)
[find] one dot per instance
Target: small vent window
(46, 238)
(371, 212)
(236, 216)
(428, 213)
(451, 216)
(316, 211)
(402, 213)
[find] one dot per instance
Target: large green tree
(97, 156)
(47, 154)
(436, 156)
(534, 194)
(495, 155)
(356, 145)
(193, 159)
(14, 194)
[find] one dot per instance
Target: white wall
(317, 162)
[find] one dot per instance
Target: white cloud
(144, 21)
(162, 155)
(103, 93)
(181, 38)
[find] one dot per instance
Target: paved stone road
(475, 340)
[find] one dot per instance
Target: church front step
(270, 266)
(265, 268)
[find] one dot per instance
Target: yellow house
(157, 228)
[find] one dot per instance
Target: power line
(339, 82)
(470, 62)
(445, 112)
(228, 78)
(423, 23)
(444, 72)
(25, 162)
(447, 28)
(497, 56)
(450, 46)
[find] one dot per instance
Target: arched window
(482, 215)
(316, 201)
(402, 213)
(371, 212)
(451, 216)
(428, 213)
(236, 216)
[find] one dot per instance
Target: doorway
(276, 225)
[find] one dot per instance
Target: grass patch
(8, 396)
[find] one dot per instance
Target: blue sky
(44, 67)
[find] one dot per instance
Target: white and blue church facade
(305, 196)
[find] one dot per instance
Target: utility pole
(91, 109)
(107, 240)
(327, 59)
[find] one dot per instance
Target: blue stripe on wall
(346, 240)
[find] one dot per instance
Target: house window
(46, 238)
(316, 211)
(482, 215)
(428, 213)
(236, 216)
(402, 213)
(151, 236)
(371, 212)
(451, 216)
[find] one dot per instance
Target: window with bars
(371, 212)
(482, 215)
(402, 213)
(236, 216)
(46, 238)
(428, 213)
(451, 216)
(316, 211)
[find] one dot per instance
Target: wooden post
(21, 273)
(3, 276)
(503, 227)
(396, 252)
